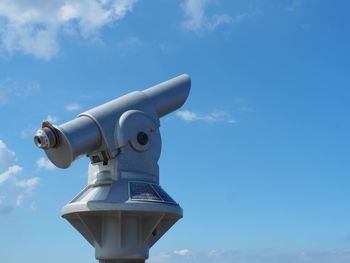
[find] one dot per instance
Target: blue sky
(258, 157)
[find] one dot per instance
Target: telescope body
(93, 131)
(123, 210)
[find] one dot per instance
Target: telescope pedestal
(121, 214)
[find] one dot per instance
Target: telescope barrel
(75, 138)
(170, 95)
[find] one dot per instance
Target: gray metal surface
(169, 95)
(123, 210)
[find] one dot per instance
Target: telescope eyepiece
(45, 138)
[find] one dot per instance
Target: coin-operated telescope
(123, 211)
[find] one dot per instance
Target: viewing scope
(123, 210)
(98, 133)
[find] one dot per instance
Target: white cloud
(197, 19)
(12, 170)
(294, 5)
(4, 208)
(217, 253)
(15, 191)
(232, 121)
(182, 252)
(129, 45)
(73, 107)
(51, 119)
(33, 206)
(261, 256)
(175, 256)
(68, 12)
(25, 194)
(33, 27)
(27, 186)
(130, 42)
(217, 20)
(162, 257)
(194, 11)
(44, 163)
(187, 115)
(28, 182)
(10, 88)
(215, 116)
(7, 157)
(164, 47)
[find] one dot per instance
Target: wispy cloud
(294, 5)
(214, 116)
(27, 182)
(182, 252)
(51, 119)
(12, 170)
(261, 256)
(197, 19)
(130, 42)
(32, 27)
(73, 107)
(242, 104)
(164, 47)
(4, 207)
(7, 156)
(27, 187)
(44, 163)
(33, 206)
(10, 88)
(217, 20)
(13, 188)
(181, 255)
(129, 45)
(187, 115)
